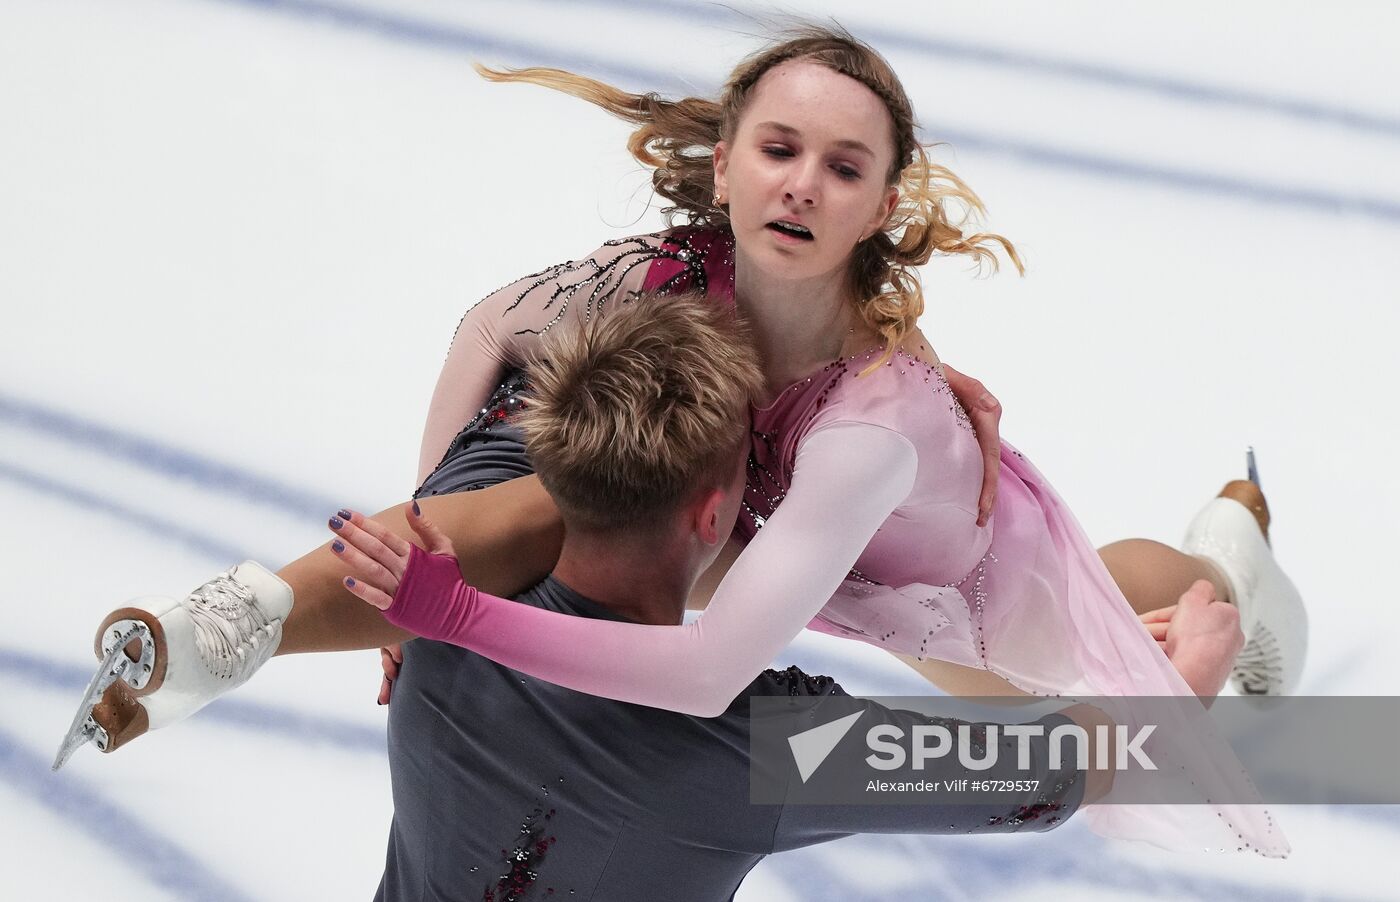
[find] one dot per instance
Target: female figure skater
(809, 200)
(860, 515)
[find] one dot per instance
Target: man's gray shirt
(510, 788)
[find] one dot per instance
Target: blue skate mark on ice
(161, 528)
(1167, 86)
(256, 717)
(994, 867)
(160, 458)
(152, 854)
(448, 37)
(1386, 815)
(304, 728)
(50, 673)
(456, 38)
(1145, 175)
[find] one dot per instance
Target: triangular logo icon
(810, 747)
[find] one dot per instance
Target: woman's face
(811, 150)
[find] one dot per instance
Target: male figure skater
(507, 787)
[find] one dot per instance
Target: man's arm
(1048, 797)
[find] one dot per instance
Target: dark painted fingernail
(337, 546)
(380, 703)
(343, 514)
(350, 581)
(336, 522)
(417, 511)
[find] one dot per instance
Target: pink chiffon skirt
(1042, 611)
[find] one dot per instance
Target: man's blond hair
(640, 409)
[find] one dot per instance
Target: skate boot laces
(1259, 667)
(233, 635)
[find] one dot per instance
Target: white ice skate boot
(1232, 532)
(163, 658)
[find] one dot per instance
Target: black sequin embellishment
(505, 402)
(799, 683)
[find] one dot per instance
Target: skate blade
(109, 714)
(84, 729)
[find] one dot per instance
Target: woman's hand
(985, 412)
(377, 557)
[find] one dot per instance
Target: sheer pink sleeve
(847, 479)
(502, 330)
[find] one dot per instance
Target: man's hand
(985, 412)
(391, 659)
(1200, 636)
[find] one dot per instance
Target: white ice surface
(245, 231)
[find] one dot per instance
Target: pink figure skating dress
(860, 519)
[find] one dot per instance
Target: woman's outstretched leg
(508, 538)
(1200, 637)
(181, 654)
(1153, 576)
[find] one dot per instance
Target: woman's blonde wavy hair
(676, 138)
